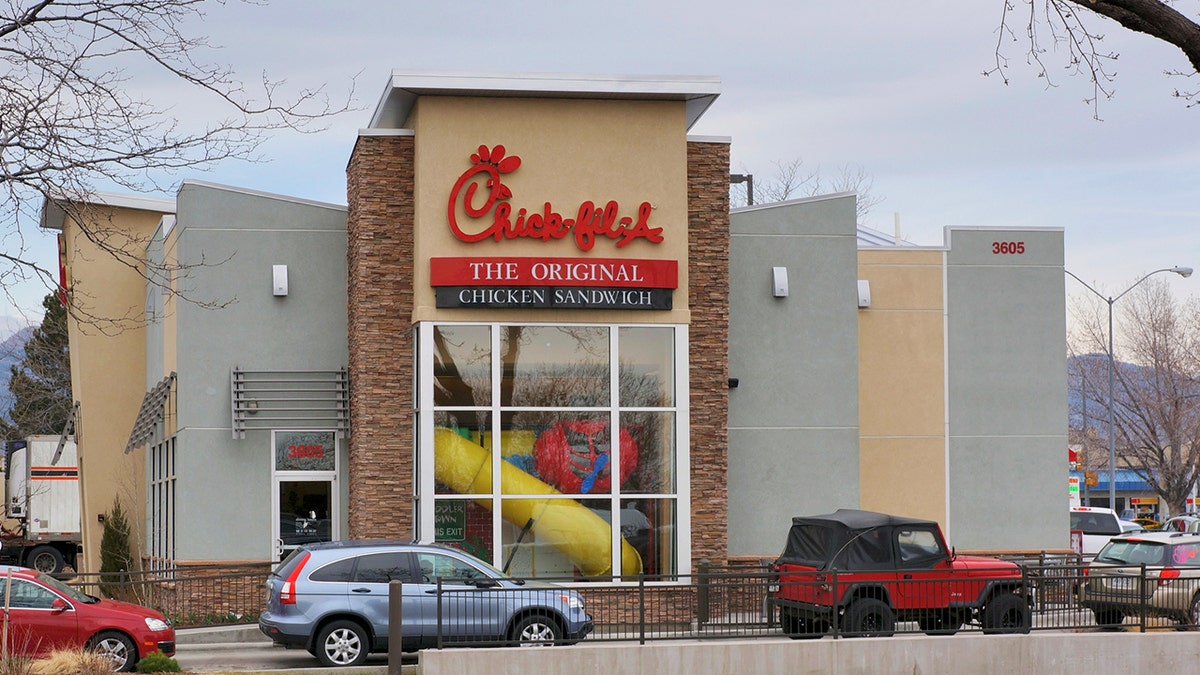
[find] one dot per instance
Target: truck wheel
(868, 617)
(1006, 613)
(45, 559)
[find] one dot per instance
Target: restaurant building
(537, 332)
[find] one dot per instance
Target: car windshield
(63, 589)
(1132, 552)
(1094, 522)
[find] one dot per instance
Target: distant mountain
(12, 350)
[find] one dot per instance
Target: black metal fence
(190, 597)
(1059, 592)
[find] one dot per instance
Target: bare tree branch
(1156, 396)
(71, 117)
(1057, 26)
(792, 181)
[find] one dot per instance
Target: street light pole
(1112, 440)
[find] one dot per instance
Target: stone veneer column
(708, 299)
(379, 272)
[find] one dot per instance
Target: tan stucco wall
(108, 373)
(566, 149)
(901, 370)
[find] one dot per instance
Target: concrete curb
(219, 634)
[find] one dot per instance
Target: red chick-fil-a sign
(490, 215)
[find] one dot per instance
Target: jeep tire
(869, 617)
(1006, 613)
(800, 627)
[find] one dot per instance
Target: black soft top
(846, 538)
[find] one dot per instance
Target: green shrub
(114, 551)
(157, 662)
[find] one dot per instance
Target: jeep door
(925, 578)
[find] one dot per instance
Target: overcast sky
(894, 88)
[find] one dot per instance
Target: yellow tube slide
(565, 524)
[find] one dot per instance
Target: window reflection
(554, 451)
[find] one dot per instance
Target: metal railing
(189, 597)
(1059, 592)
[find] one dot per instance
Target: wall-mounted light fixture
(864, 293)
(251, 406)
(279, 280)
(733, 383)
(779, 282)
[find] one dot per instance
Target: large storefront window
(539, 434)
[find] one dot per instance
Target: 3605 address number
(1008, 247)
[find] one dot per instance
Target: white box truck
(41, 505)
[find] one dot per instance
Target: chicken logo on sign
(590, 222)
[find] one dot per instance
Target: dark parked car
(868, 570)
(331, 598)
(45, 615)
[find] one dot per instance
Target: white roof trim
(406, 86)
(53, 214)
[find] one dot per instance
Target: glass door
(304, 499)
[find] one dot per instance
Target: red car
(44, 614)
(864, 571)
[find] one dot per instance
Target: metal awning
(289, 399)
(65, 436)
(150, 414)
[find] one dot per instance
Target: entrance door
(305, 513)
(304, 500)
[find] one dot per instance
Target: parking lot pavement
(233, 649)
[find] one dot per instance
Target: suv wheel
(342, 643)
(1006, 613)
(868, 617)
(536, 630)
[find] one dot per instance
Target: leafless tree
(73, 116)
(1059, 26)
(792, 180)
(1156, 394)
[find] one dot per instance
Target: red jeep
(861, 572)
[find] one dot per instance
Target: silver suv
(331, 598)
(1155, 573)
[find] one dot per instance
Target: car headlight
(157, 624)
(573, 601)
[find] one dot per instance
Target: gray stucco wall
(793, 418)
(240, 235)
(1006, 354)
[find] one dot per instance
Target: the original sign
(553, 283)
